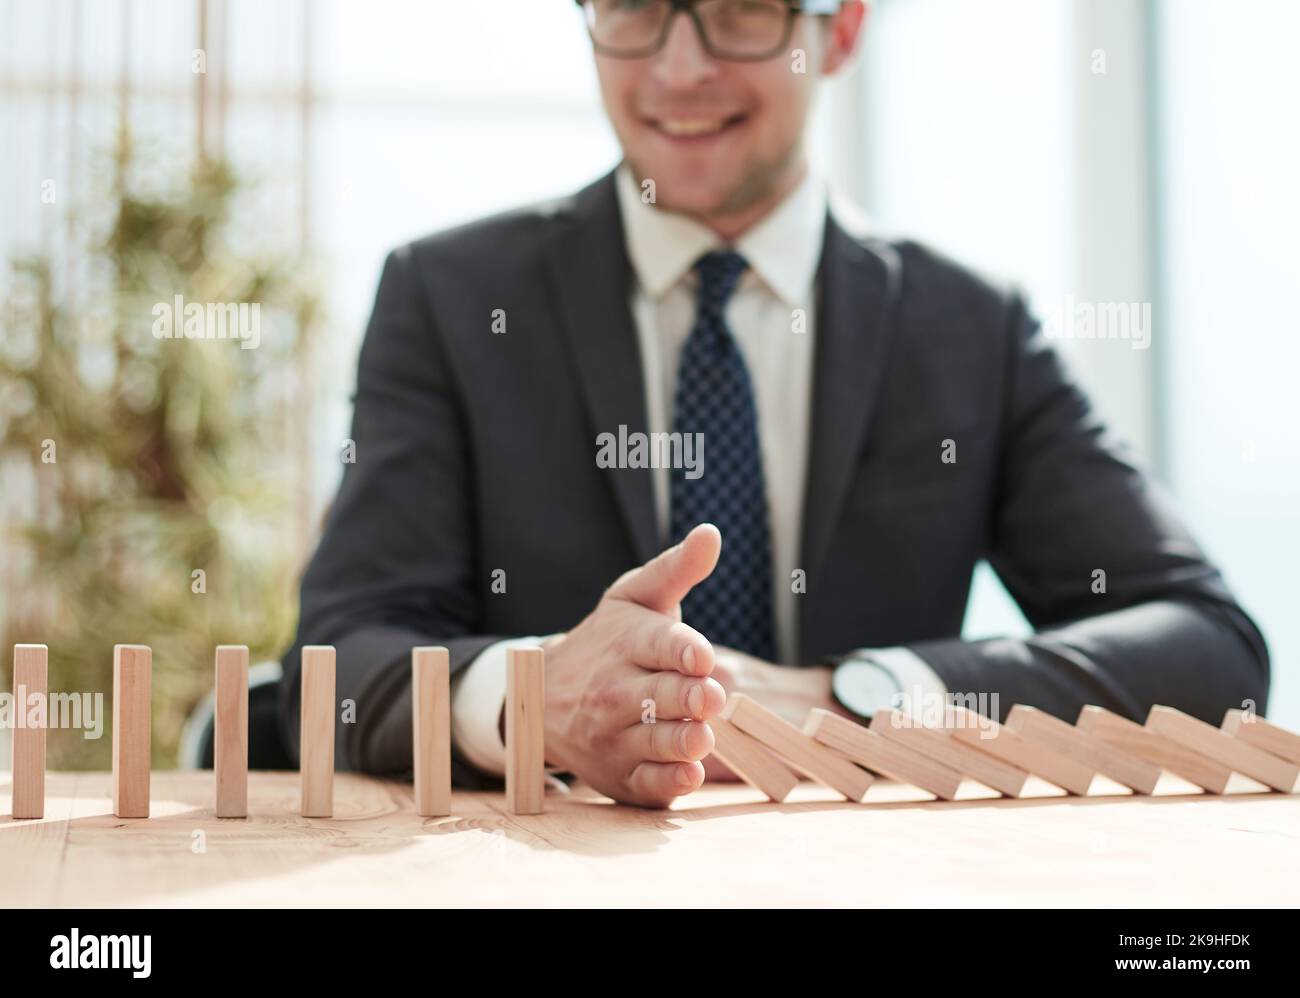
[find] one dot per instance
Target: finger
(675, 697)
(662, 581)
(655, 784)
(669, 741)
(654, 641)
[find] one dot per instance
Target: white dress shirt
(772, 317)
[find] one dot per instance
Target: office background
(1094, 151)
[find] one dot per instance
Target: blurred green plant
(150, 460)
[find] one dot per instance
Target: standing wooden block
(1263, 734)
(754, 764)
(1232, 752)
(316, 732)
(801, 751)
(525, 730)
(1000, 741)
(230, 731)
(1129, 770)
(431, 730)
(868, 748)
(132, 688)
(31, 692)
(940, 745)
(1197, 769)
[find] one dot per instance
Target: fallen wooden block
(801, 751)
(1263, 734)
(431, 730)
(525, 730)
(230, 731)
(316, 731)
(1197, 769)
(866, 747)
(746, 756)
(31, 719)
(996, 739)
(1129, 770)
(939, 744)
(132, 688)
(1231, 751)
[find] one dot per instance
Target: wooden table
(720, 846)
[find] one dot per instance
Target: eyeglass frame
(793, 9)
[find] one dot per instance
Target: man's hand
(790, 692)
(632, 658)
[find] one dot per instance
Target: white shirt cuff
(919, 683)
(478, 695)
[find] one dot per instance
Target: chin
(699, 202)
(692, 190)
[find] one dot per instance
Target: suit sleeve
(1126, 608)
(395, 567)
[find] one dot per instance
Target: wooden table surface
(722, 845)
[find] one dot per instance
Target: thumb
(662, 582)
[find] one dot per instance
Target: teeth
(692, 126)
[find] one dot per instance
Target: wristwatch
(863, 686)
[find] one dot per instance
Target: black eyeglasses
(736, 30)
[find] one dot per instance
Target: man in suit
(696, 437)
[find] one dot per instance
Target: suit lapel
(589, 268)
(858, 285)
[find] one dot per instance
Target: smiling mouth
(694, 127)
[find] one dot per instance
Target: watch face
(864, 687)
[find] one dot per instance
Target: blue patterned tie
(714, 398)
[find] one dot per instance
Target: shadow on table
(135, 859)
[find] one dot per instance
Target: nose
(683, 62)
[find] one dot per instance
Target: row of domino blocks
(1034, 754)
(430, 729)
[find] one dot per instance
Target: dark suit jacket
(476, 452)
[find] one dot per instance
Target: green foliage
(169, 455)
